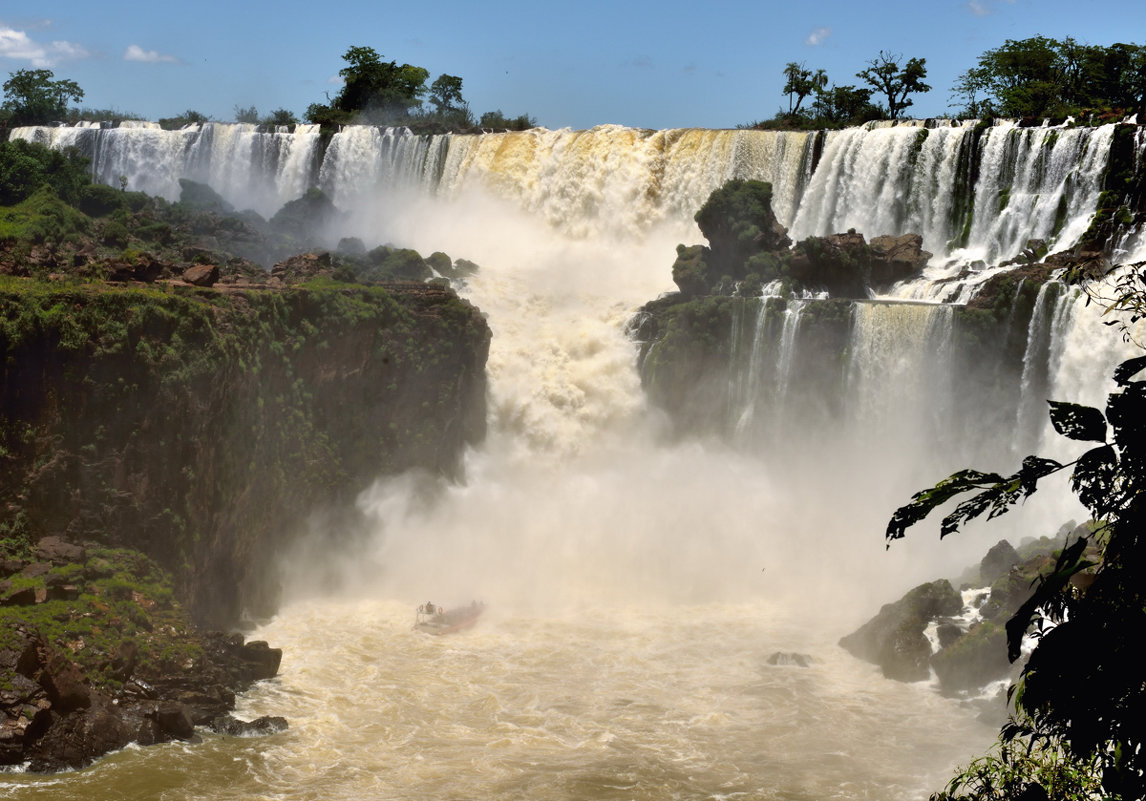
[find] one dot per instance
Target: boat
(435, 619)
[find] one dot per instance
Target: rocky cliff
(160, 443)
(201, 426)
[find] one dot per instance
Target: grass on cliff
(92, 611)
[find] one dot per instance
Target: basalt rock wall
(202, 427)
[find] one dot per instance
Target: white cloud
(981, 8)
(817, 36)
(17, 45)
(69, 50)
(137, 53)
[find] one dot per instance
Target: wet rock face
(894, 638)
(998, 562)
(52, 718)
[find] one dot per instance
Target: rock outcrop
(200, 427)
(894, 638)
(748, 247)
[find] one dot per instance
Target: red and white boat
(434, 619)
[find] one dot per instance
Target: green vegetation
(386, 93)
(188, 117)
(1080, 703)
(226, 386)
(1031, 78)
(26, 167)
(93, 609)
(1043, 77)
(885, 76)
(36, 97)
(498, 121)
(841, 106)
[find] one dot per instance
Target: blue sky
(647, 64)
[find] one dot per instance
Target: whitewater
(639, 583)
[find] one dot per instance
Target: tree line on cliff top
(374, 91)
(1027, 78)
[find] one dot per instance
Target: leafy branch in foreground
(1082, 692)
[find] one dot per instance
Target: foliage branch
(1081, 691)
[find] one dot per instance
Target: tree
(1122, 77)
(33, 97)
(188, 117)
(280, 116)
(248, 114)
(886, 77)
(446, 94)
(498, 120)
(845, 105)
(970, 87)
(801, 83)
(27, 166)
(1043, 77)
(379, 90)
(1081, 692)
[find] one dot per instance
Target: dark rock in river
(894, 638)
(233, 726)
(790, 658)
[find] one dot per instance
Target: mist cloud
(137, 53)
(817, 36)
(19, 46)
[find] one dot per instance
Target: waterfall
(899, 370)
(250, 167)
(1033, 182)
(1050, 305)
(637, 576)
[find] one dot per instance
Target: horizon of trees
(1022, 78)
(1025, 78)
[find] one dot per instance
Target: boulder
(79, 737)
(173, 720)
(895, 258)
(65, 685)
(261, 661)
(59, 552)
(16, 596)
(998, 562)
(201, 274)
(974, 660)
(839, 263)
(690, 270)
(894, 638)
(233, 726)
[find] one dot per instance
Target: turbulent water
(636, 586)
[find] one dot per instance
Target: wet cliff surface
(161, 445)
(200, 426)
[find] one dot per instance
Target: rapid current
(638, 586)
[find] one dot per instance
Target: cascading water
(636, 586)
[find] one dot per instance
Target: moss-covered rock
(200, 426)
(894, 638)
(973, 660)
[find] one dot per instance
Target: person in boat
(429, 608)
